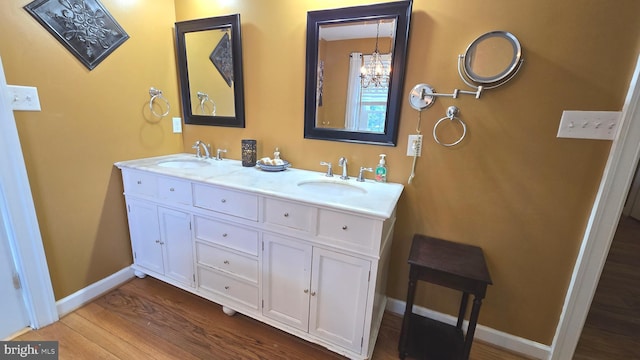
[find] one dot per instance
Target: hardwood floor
(612, 328)
(147, 319)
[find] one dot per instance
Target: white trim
(89, 293)
(25, 236)
(483, 333)
(602, 225)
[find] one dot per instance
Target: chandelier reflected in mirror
(375, 71)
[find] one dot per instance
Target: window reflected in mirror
(353, 75)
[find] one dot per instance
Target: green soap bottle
(381, 169)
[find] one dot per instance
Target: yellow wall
(511, 187)
(89, 120)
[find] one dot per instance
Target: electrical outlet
(24, 98)
(177, 125)
(414, 146)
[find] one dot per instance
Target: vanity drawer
(226, 201)
(139, 183)
(228, 235)
(174, 190)
(288, 214)
(233, 289)
(347, 228)
(227, 261)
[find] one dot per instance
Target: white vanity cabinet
(316, 290)
(161, 237)
(243, 238)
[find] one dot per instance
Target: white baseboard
(87, 294)
(485, 334)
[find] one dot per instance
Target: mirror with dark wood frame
(355, 71)
(209, 56)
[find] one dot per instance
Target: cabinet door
(339, 287)
(175, 235)
(145, 235)
(286, 269)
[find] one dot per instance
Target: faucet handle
(196, 146)
(329, 168)
(361, 174)
(219, 153)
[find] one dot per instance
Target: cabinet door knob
(157, 241)
(223, 201)
(306, 291)
(226, 287)
(344, 227)
(139, 182)
(226, 262)
(313, 293)
(224, 235)
(172, 189)
(286, 214)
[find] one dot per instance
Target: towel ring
(204, 97)
(452, 111)
(157, 94)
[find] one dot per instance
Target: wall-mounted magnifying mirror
(355, 72)
(489, 61)
(209, 55)
(492, 58)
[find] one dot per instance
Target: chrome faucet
(219, 153)
(329, 168)
(197, 146)
(343, 163)
(361, 174)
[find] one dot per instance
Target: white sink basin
(334, 187)
(183, 163)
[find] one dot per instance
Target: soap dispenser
(381, 169)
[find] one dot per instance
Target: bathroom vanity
(305, 253)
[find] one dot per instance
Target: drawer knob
(286, 214)
(223, 201)
(139, 182)
(344, 227)
(172, 189)
(226, 287)
(226, 262)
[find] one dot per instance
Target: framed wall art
(84, 27)
(222, 58)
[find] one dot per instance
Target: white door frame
(23, 230)
(603, 222)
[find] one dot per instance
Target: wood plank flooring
(612, 328)
(147, 319)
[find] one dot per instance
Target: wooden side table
(457, 266)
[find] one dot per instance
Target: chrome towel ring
(204, 98)
(156, 94)
(452, 113)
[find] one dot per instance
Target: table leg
(404, 334)
(473, 320)
(463, 309)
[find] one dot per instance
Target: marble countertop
(372, 199)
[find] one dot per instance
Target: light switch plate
(24, 98)
(601, 125)
(177, 125)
